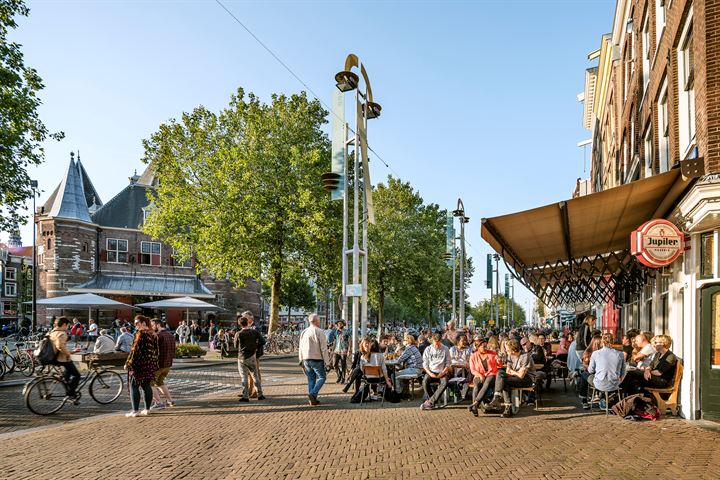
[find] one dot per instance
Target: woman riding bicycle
(59, 339)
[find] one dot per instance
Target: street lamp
(459, 212)
(33, 324)
(365, 109)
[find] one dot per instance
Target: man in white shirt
(645, 352)
(92, 333)
(104, 343)
(314, 357)
(437, 366)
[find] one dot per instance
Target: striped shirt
(412, 356)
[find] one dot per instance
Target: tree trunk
(275, 301)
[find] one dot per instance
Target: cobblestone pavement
(215, 437)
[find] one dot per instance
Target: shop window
(117, 250)
(150, 253)
(715, 332)
(707, 250)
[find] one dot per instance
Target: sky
(479, 97)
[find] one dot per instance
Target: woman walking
(141, 365)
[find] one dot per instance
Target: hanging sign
(657, 243)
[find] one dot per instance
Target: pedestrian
(182, 332)
(314, 357)
(247, 341)
(166, 353)
(258, 353)
(340, 351)
(142, 365)
(92, 333)
(195, 333)
(76, 331)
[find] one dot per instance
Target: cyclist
(59, 338)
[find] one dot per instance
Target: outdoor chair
(595, 398)
(411, 379)
(372, 375)
(671, 402)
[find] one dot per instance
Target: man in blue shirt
(607, 366)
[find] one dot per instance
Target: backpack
(45, 352)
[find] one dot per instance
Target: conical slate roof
(69, 200)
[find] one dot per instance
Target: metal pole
(462, 271)
(346, 205)
(356, 213)
(34, 266)
(364, 304)
(497, 289)
(512, 300)
(454, 265)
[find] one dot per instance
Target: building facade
(652, 103)
(87, 246)
(15, 283)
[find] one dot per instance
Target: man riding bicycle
(59, 338)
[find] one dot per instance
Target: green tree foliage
(21, 130)
(241, 189)
(484, 311)
(296, 291)
(406, 246)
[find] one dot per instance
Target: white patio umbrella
(185, 303)
(84, 300)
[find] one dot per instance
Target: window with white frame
(649, 170)
(663, 130)
(646, 52)
(117, 250)
(686, 87)
(10, 289)
(150, 253)
(11, 273)
(660, 18)
(180, 263)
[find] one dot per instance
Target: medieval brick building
(87, 246)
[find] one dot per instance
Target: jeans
(434, 397)
(406, 372)
(315, 371)
(135, 395)
(194, 339)
(481, 387)
(249, 367)
(71, 376)
(340, 361)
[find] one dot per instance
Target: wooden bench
(673, 391)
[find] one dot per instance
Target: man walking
(166, 351)
(247, 341)
(340, 351)
(92, 333)
(314, 357)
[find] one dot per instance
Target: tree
(484, 311)
(241, 189)
(405, 250)
(21, 130)
(296, 292)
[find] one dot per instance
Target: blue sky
(478, 97)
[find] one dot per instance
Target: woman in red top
(484, 366)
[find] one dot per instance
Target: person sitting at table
(628, 344)
(519, 373)
(459, 358)
(595, 344)
(355, 371)
(607, 366)
(535, 348)
(437, 367)
(484, 368)
(423, 342)
(374, 357)
(450, 335)
(412, 360)
(660, 373)
(562, 351)
(124, 341)
(104, 343)
(645, 350)
(544, 344)
(492, 343)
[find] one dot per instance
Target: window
(150, 253)
(660, 18)
(117, 250)
(62, 283)
(10, 290)
(686, 88)
(179, 263)
(11, 273)
(649, 170)
(707, 250)
(146, 214)
(715, 332)
(85, 247)
(664, 130)
(646, 52)
(49, 243)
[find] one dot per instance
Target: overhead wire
(297, 77)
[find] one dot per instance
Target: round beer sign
(657, 243)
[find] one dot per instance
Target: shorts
(160, 375)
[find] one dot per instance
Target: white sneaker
(134, 413)
(144, 412)
(157, 406)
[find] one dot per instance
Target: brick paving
(215, 437)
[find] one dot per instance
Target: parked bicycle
(19, 359)
(48, 393)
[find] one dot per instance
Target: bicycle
(20, 360)
(47, 394)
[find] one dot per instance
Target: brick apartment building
(85, 246)
(652, 105)
(15, 281)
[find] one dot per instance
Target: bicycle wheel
(9, 362)
(24, 363)
(287, 347)
(2, 370)
(45, 396)
(106, 387)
